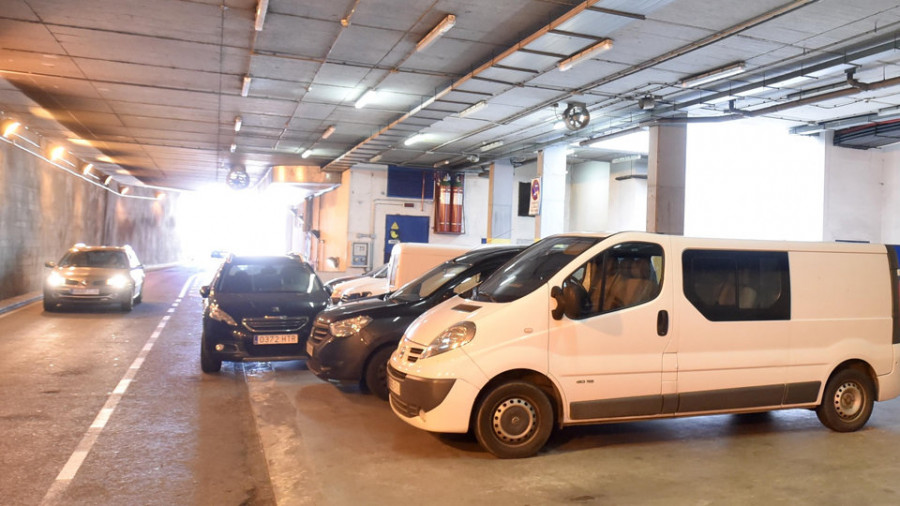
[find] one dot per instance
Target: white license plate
(85, 291)
(393, 386)
(276, 339)
(309, 348)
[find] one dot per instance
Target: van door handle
(662, 322)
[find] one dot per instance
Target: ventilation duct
(310, 178)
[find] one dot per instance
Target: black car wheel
(376, 372)
(49, 307)
(208, 363)
(514, 420)
(128, 304)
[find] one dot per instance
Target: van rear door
(608, 355)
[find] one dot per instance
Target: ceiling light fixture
(11, 128)
(328, 131)
(472, 109)
(441, 163)
(57, 153)
(375, 159)
(365, 99)
(414, 139)
(233, 147)
(87, 169)
(125, 190)
(107, 180)
(245, 88)
(713, 75)
(261, 9)
(587, 54)
(493, 145)
(306, 154)
(436, 32)
(160, 196)
(237, 123)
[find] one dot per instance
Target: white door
(609, 355)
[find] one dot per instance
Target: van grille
(275, 323)
(407, 410)
(411, 353)
(319, 332)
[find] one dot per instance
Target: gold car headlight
(55, 279)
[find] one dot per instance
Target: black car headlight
(219, 314)
(349, 327)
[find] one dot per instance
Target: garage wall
(44, 211)
(890, 212)
(854, 193)
(368, 204)
(588, 209)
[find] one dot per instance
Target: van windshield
(429, 282)
(532, 268)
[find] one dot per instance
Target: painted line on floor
(70, 469)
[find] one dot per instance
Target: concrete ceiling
(149, 90)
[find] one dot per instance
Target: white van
(586, 329)
(409, 260)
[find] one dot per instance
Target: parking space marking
(70, 469)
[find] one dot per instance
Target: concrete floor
(326, 445)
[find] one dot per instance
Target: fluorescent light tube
(493, 145)
(472, 109)
(365, 99)
(587, 54)
(328, 131)
(237, 123)
(306, 154)
(713, 75)
(245, 89)
(376, 158)
(414, 139)
(261, 9)
(435, 33)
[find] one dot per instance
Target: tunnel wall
(45, 210)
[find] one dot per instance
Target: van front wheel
(847, 401)
(514, 420)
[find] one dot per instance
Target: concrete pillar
(500, 201)
(551, 168)
(665, 179)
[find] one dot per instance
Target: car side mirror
(50, 264)
(204, 291)
(560, 309)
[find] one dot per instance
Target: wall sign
(535, 208)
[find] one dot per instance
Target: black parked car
(259, 308)
(353, 342)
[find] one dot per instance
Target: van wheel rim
(515, 420)
(848, 401)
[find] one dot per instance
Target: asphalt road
(75, 430)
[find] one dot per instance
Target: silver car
(95, 275)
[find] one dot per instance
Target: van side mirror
(557, 293)
(50, 264)
(204, 291)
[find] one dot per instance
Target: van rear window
(729, 285)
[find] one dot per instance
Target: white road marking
(68, 472)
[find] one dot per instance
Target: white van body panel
(410, 260)
(352, 288)
(624, 364)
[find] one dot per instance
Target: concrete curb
(13, 303)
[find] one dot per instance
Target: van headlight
(218, 314)
(118, 281)
(55, 279)
(350, 326)
(450, 339)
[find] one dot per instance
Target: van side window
(738, 285)
(623, 276)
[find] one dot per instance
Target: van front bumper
(436, 405)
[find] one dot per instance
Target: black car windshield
(267, 276)
(429, 282)
(532, 268)
(111, 259)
